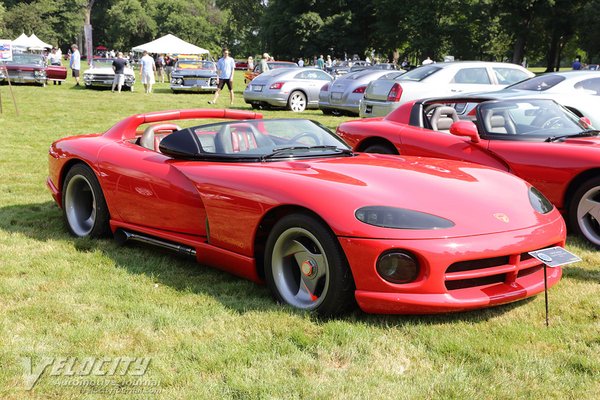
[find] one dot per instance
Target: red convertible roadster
(537, 140)
(287, 202)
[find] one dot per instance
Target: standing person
(160, 67)
(250, 64)
(320, 62)
(576, 64)
(301, 62)
(168, 67)
(75, 63)
(54, 59)
(225, 70)
(328, 64)
(118, 66)
(147, 69)
(427, 61)
(264, 67)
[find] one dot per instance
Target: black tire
(583, 222)
(326, 286)
(84, 207)
(380, 149)
(297, 101)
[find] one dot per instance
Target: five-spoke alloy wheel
(584, 211)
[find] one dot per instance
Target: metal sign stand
(546, 293)
(11, 92)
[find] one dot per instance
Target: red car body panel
(176, 200)
(551, 167)
(56, 72)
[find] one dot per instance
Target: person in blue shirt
(225, 69)
(75, 63)
(576, 64)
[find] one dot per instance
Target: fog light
(398, 267)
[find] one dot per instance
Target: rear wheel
(297, 101)
(381, 149)
(306, 268)
(584, 211)
(84, 206)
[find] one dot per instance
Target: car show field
(209, 334)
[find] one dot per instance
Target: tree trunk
(553, 51)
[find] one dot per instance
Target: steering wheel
(313, 136)
(552, 122)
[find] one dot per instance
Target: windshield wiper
(587, 132)
(290, 150)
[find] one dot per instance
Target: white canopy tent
(36, 43)
(21, 42)
(170, 44)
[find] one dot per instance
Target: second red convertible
(287, 203)
(537, 140)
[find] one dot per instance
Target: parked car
(443, 79)
(101, 74)
(286, 202)
(31, 68)
(343, 95)
(535, 139)
(250, 75)
(346, 67)
(388, 66)
(294, 88)
(194, 76)
(241, 64)
(579, 91)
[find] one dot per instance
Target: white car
(579, 91)
(438, 80)
(101, 74)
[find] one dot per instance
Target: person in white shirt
(75, 63)
(225, 70)
(427, 61)
(147, 69)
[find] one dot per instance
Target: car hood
(479, 200)
(107, 71)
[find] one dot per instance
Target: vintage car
(535, 139)
(31, 68)
(285, 201)
(382, 96)
(249, 75)
(101, 74)
(294, 88)
(343, 95)
(194, 75)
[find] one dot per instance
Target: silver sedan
(344, 94)
(294, 88)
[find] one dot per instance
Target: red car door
(148, 190)
(427, 143)
(541, 164)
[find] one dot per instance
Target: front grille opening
(469, 283)
(529, 271)
(478, 264)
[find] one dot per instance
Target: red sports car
(285, 201)
(535, 139)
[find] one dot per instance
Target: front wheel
(584, 211)
(297, 101)
(306, 268)
(84, 206)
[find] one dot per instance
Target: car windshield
(264, 140)
(103, 63)
(538, 83)
(28, 59)
(196, 64)
(419, 74)
(533, 119)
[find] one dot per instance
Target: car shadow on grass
(44, 222)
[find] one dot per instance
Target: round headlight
(539, 202)
(398, 267)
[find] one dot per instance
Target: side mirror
(585, 122)
(465, 128)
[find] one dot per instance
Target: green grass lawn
(210, 335)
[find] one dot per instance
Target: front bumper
(193, 84)
(438, 289)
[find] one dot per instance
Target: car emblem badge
(502, 217)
